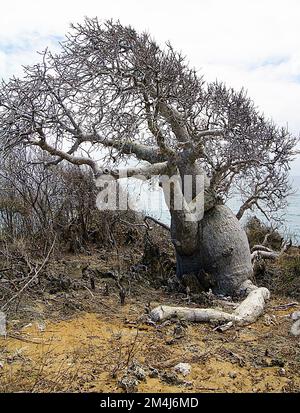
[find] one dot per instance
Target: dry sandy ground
(107, 347)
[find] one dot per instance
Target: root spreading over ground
(68, 330)
(247, 311)
(78, 340)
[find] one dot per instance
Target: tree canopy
(116, 90)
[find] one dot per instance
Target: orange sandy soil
(90, 350)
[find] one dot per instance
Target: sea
(293, 209)
(289, 228)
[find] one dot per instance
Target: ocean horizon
(290, 227)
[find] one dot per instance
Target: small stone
(136, 370)
(282, 372)
(270, 319)
(172, 379)
(232, 375)
(154, 373)
(188, 384)
(183, 368)
(295, 329)
(41, 326)
(193, 349)
(140, 374)
(128, 383)
(170, 341)
(295, 315)
(277, 362)
(179, 331)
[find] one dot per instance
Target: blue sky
(254, 44)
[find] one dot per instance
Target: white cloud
(255, 44)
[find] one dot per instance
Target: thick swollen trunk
(213, 248)
(221, 251)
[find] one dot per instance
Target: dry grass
(94, 351)
(90, 341)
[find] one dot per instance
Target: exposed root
(271, 255)
(261, 251)
(261, 248)
(247, 312)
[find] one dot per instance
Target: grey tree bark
(216, 245)
(222, 251)
(115, 90)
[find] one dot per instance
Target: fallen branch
(32, 278)
(261, 248)
(261, 251)
(26, 339)
(165, 226)
(145, 224)
(92, 295)
(247, 312)
(285, 306)
(264, 254)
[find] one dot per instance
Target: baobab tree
(114, 91)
